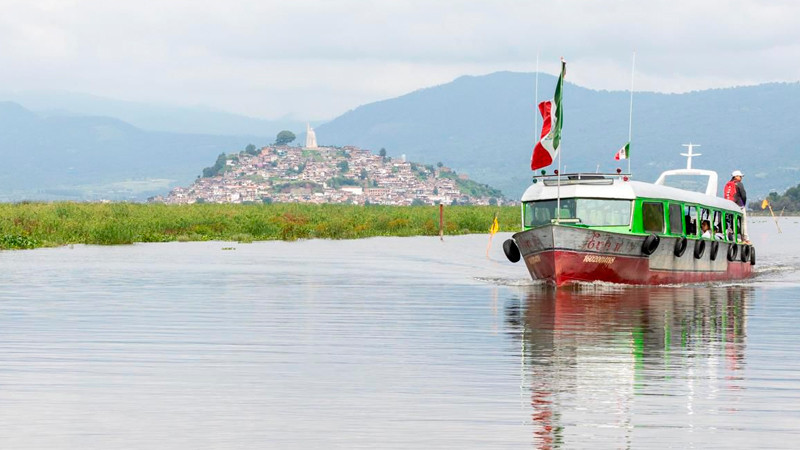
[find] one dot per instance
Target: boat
(593, 227)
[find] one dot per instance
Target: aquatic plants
(31, 225)
(16, 241)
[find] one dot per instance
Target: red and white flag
(546, 149)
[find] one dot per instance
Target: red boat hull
(564, 267)
(562, 255)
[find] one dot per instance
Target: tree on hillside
(382, 153)
(789, 201)
(218, 167)
(343, 166)
(251, 149)
(284, 137)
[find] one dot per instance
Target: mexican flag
(546, 149)
(624, 152)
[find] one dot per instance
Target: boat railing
(579, 178)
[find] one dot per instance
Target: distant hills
(172, 119)
(70, 147)
(84, 157)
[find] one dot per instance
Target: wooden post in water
(441, 222)
(774, 218)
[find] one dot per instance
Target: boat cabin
(612, 202)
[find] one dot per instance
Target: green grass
(32, 225)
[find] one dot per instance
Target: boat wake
(775, 272)
(516, 282)
(776, 269)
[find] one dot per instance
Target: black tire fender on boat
(744, 255)
(752, 256)
(714, 249)
(680, 246)
(511, 250)
(650, 244)
(733, 250)
(699, 248)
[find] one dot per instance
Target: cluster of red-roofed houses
(326, 175)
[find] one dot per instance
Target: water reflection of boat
(592, 359)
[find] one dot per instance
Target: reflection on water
(589, 356)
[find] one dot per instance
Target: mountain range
(484, 126)
(89, 158)
(480, 125)
(152, 117)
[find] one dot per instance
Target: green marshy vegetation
(32, 225)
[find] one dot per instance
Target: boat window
(675, 219)
(705, 214)
(738, 228)
(687, 182)
(653, 217)
(728, 226)
(586, 211)
(691, 220)
(717, 225)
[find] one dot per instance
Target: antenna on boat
(689, 155)
(535, 117)
(630, 112)
(536, 98)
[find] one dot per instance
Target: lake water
(388, 343)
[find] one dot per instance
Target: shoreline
(37, 225)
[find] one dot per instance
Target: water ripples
(387, 343)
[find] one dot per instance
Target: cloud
(317, 58)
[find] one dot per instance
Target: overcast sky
(314, 59)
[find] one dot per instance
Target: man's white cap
(737, 173)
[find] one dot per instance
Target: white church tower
(311, 137)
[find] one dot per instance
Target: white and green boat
(587, 227)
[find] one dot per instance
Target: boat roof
(616, 187)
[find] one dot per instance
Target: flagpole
(560, 142)
(630, 113)
(536, 98)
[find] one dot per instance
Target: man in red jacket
(735, 192)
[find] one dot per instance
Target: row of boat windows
(586, 211)
(680, 219)
(688, 219)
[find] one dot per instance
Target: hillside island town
(281, 173)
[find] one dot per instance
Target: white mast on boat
(535, 120)
(689, 155)
(536, 99)
(630, 113)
